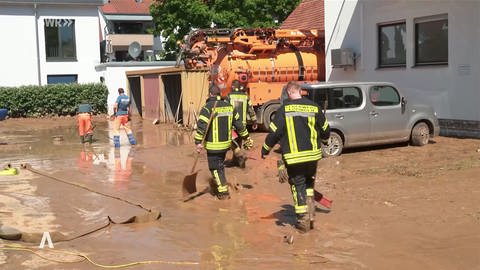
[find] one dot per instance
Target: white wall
(18, 46)
(452, 91)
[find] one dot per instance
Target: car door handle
(373, 113)
(339, 116)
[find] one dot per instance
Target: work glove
(248, 143)
(282, 172)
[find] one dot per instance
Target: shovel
(189, 185)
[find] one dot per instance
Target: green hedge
(53, 99)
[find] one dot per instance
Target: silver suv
(371, 113)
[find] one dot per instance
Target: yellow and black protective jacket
(219, 136)
(241, 102)
(300, 126)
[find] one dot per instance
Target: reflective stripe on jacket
(300, 127)
(241, 102)
(218, 136)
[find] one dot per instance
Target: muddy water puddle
(246, 232)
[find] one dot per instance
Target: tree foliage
(175, 18)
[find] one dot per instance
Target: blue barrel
(3, 114)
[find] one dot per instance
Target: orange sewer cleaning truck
(264, 59)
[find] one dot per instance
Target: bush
(53, 99)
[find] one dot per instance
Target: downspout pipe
(39, 73)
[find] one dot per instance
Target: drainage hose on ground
(83, 257)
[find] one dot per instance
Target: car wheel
(269, 115)
(334, 146)
(420, 134)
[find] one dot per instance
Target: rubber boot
(223, 195)
(303, 223)
(116, 141)
(131, 139)
(89, 138)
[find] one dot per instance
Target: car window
(338, 97)
(384, 96)
(317, 95)
(346, 97)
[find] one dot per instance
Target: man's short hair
(121, 91)
(214, 90)
(292, 86)
(236, 84)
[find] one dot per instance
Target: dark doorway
(173, 102)
(136, 94)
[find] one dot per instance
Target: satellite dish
(134, 49)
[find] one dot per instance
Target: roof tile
(127, 7)
(308, 15)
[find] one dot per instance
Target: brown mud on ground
(395, 207)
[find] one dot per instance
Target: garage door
(151, 96)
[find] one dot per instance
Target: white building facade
(429, 48)
(46, 41)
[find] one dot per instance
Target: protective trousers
(216, 167)
(85, 128)
(84, 123)
(302, 181)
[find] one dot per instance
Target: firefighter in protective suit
(239, 99)
(300, 127)
(215, 130)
